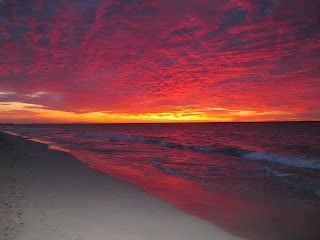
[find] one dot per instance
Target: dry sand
(49, 194)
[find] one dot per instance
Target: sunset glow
(110, 61)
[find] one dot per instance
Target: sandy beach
(49, 194)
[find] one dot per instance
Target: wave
(294, 161)
(110, 150)
(276, 173)
(295, 184)
(11, 133)
(119, 137)
(157, 163)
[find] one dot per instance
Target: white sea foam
(295, 161)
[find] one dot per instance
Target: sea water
(256, 180)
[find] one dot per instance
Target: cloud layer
(256, 60)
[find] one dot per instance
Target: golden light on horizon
(11, 111)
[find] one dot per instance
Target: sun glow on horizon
(17, 112)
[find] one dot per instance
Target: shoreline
(57, 196)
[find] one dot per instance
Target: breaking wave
(294, 161)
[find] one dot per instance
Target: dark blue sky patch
(25, 9)
(266, 7)
(115, 9)
(305, 32)
(17, 32)
(234, 16)
(44, 41)
(127, 2)
(149, 11)
(48, 9)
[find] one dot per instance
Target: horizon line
(176, 122)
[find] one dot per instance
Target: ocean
(256, 180)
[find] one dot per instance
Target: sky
(159, 60)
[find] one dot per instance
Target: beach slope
(49, 194)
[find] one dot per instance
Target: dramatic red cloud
(138, 61)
